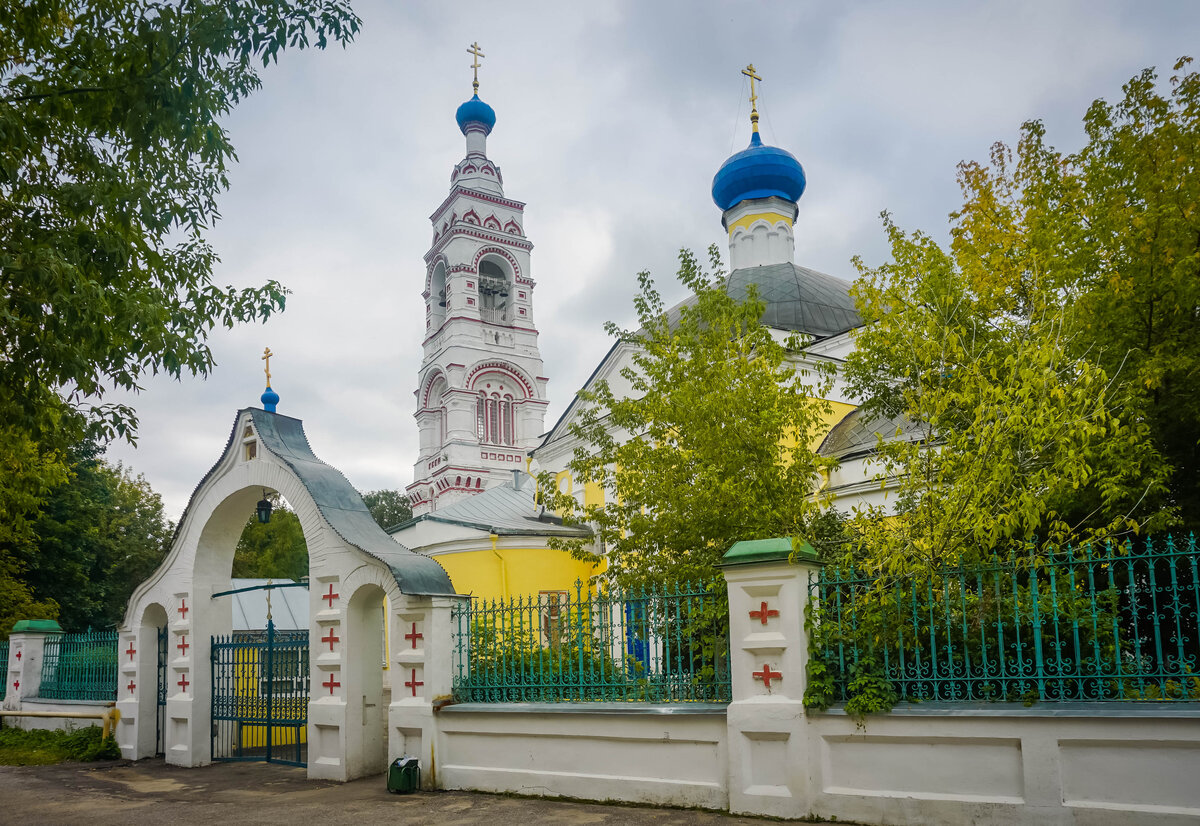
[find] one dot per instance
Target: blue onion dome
(269, 399)
(475, 111)
(759, 171)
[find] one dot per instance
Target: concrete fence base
(1095, 763)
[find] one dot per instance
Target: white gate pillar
(422, 659)
(137, 692)
(23, 671)
(768, 740)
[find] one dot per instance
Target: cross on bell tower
(474, 50)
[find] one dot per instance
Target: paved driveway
(151, 792)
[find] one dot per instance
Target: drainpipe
(503, 567)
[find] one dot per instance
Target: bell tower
(481, 396)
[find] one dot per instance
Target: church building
(481, 397)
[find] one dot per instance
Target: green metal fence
(653, 645)
(1112, 623)
(80, 666)
(4, 666)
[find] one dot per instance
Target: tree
(1035, 356)
(388, 507)
(1015, 431)
(97, 538)
(711, 446)
(1113, 230)
(17, 602)
(274, 550)
(112, 160)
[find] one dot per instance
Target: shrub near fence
(655, 645)
(1111, 623)
(80, 666)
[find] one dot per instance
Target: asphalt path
(153, 793)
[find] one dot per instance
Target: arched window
(493, 291)
(494, 419)
(496, 408)
(437, 403)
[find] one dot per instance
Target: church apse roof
(858, 434)
(797, 298)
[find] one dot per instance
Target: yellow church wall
(513, 572)
(593, 494)
(770, 217)
(837, 411)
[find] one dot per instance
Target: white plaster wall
(594, 752)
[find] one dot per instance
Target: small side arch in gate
(353, 566)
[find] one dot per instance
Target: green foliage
(41, 748)
(1108, 232)
(95, 539)
(17, 601)
(388, 507)
(710, 446)
(275, 550)
(1048, 359)
(112, 159)
(510, 658)
(1013, 426)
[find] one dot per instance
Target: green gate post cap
(778, 549)
(45, 626)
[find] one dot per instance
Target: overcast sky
(612, 118)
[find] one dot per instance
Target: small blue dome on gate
(269, 399)
(759, 171)
(475, 111)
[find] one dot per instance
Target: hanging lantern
(264, 509)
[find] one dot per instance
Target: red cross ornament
(413, 682)
(16, 684)
(762, 613)
(183, 683)
(331, 639)
(132, 685)
(331, 684)
(18, 654)
(331, 596)
(183, 609)
(131, 651)
(414, 636)
(766, 675)
(183, 645)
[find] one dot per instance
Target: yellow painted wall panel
(526, 571)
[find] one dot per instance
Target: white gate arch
(352, 563)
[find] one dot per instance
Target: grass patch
(41, 748)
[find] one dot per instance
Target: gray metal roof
(797, 298)
(506, 510)
(289, 606)
(343, 508)
(857, 433)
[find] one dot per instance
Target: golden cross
(474, 50)
(266, 356)
(750, 73)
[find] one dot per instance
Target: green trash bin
(404, 775)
